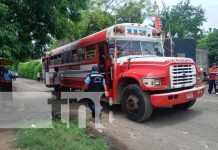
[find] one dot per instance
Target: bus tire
(186, 105)
(136, 103)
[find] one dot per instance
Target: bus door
(104, 63)
(102, 59)
(110, 46)
(45, 70)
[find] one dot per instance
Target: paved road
(168, 128)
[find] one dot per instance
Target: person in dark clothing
(212, 78)
(94, 82)
(57, 83)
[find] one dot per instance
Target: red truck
(131, 58)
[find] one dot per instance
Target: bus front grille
(182, 75)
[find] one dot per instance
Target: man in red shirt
(212, 78)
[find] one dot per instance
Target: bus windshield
(131, 47)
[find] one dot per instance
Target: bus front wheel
(136, 103)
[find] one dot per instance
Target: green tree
(135, 11)
(202, 42)
(212, 44)
(27, 26)
(183, 19)
(101, 14)
(95, 18)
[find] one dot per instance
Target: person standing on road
(38, 76)
(216, 82)
(14, 75)
(7, 75)
(212, 78)
(57, 83)
(94, 82)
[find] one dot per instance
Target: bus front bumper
(173, 98)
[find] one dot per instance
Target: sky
(210, 7)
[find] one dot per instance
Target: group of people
(12, 74)
(7, 75)
(94, 82)
(213, 78)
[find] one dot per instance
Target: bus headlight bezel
(151, 82)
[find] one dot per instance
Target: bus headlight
(151, 82)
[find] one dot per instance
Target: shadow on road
(162, 117)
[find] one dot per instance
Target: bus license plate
(189, 96)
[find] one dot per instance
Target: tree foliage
(202, 42)
(95, 18)
(27, 26)
(30, 27)
(135, 11)
(212, 44)
(30, 69)
(183, 19)
(102, 13)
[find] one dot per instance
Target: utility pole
(115, 48)
(171, 43)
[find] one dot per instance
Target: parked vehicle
(5, 79)
(137, 74)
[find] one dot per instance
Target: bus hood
(152, 59)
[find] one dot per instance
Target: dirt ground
(7, 136)
(168, 128)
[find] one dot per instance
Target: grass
(59, 138)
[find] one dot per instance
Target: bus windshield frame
(138, 47)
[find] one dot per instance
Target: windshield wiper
(149, 51)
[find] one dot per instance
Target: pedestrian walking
(57, 83)
(38, 76)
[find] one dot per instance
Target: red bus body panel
(173, 98)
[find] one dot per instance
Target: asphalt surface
(168, 128)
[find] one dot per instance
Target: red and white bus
(138, 75)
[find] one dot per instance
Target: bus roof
(91, 39)
(123, 30)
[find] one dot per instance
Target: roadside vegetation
(60, 137)
(58, 23)
(209, 42)
(30, 69)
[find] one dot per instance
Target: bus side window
(49, 61)
(55, 59)
(74, 56)
(81, 54)
(90, 52)
(64, 58)
(68, 56)
(59, 59)
(102, 58)
(52, 60)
